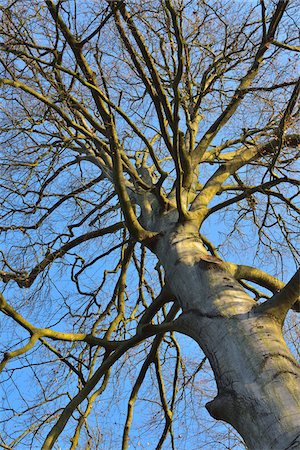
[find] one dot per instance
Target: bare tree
(143, 144)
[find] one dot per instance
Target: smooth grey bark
(257, 378)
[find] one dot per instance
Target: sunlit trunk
(257, 378)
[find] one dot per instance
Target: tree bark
(257, 377)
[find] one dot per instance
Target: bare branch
(283, 301)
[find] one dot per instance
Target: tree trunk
(256, 375)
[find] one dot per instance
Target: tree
(132, 134)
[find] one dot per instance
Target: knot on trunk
(222, 406)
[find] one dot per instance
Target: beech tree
(143, 145)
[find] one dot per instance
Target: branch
(39, 333)
(20, 351)
(240, 159)
(135, 228)
(46, 101)
(53, 207)
(141, 376)
(157, 101)
(82, 62)
(243, 86)
(168, 413)
(104, 21)
(97, 91)
(155, 77)
(93, 381)
(164, 297)
(294, 48)
(263, 279)
(258, 276)
(273, 87)
(24, 279)
(284, 122)
(262, 189)
(283, 301)
(63, 359)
